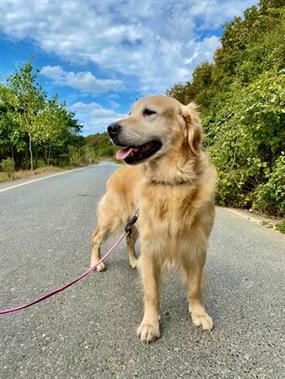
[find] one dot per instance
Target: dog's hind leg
(111, 219)
(131, 241)
(98, 237)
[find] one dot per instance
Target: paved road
(89, 331)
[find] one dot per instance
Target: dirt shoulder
(22, 174)
(267, 221)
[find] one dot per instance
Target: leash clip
(133, 220)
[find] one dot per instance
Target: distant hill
(101, 143)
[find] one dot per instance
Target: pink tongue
(122, 154)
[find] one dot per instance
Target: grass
(281, 226)
(21, 174)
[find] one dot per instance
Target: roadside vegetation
(38, 133)
(242, 104)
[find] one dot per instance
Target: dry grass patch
(21, 174)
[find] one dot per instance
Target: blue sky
(100, 55)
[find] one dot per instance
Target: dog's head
(155, 126)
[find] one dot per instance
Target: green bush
(270, 196)
(40, 163)
(8, 166)
(107, 151)
(242, 104)
(247, 139)
(281, 226)
(88, 155)
(74, 155)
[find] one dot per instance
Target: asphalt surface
(89, 331)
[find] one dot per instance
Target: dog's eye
(148, 112)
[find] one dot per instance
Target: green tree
(27, 102)
(12, 138)
(32, 124)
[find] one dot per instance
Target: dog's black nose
(114, 129)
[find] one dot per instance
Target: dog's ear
(193, 128)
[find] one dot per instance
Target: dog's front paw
(101, 266)
(203, 320)
(148, 332)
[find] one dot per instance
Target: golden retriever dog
(170, 180)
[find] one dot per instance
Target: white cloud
(156, 42)
(94, 117)
(84, 81)
(215, 12)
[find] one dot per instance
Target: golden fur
(174, 192)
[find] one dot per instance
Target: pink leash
(85, 273)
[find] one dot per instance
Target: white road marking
(38, 179)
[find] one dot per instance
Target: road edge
(37, 178)
(264, 220)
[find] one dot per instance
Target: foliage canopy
(242, 102)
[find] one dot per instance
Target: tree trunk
(49, 151)
(31, 152)
(46, 155)
(36, 157)
(26, 159)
